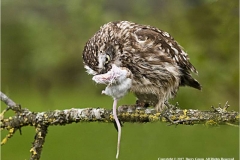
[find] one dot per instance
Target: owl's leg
(160, 106)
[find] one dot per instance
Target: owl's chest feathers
(152, 75)
(144, 87)
(147, 92)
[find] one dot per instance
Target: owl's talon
(170, 106)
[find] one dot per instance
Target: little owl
(157, 63)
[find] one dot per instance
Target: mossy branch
(42, 120)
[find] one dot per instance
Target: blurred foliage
(42, 43)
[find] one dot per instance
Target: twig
(7, 101)
(41, 133)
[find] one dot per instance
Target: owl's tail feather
(187, 80)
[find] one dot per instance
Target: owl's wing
(158, 47)
(162, 44)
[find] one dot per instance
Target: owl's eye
(107, 60)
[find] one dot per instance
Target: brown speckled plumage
(157, 62)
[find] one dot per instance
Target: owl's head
(102, 50)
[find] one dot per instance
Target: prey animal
(118, 81)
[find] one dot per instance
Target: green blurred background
(42, 43)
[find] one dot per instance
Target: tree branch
(42, 120)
